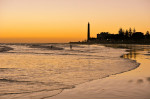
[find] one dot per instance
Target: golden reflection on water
(133, 84)
(133, 53)
(141, 54)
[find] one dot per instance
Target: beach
(134, 84)
(86, 71)
(75, 49)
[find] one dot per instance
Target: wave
(5, 48)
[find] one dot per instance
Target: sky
(55, 21)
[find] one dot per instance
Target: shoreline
(84, 90)
(65, 93)
(116, 43)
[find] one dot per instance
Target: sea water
(134, 84)
(40, 73)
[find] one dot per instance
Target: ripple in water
(36, 73)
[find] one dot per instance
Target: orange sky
(66, 20)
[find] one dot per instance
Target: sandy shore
(133, 84)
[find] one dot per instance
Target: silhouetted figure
(70, 47)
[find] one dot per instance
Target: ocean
(34, 72)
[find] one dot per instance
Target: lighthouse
(88, 33)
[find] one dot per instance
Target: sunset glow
(66, 20)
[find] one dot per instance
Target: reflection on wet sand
(148, 79)
(131, 54)
(134, 52)
(37, 70)
(134, 84)
(139, 76)
(140, 53)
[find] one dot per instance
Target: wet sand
(134, 84)
(39, 72)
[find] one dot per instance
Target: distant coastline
(122, 37)
(117, 42)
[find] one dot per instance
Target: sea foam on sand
(134, 84)
(41, 73)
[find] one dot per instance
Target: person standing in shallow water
(70, 47)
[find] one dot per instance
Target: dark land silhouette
(123, 36)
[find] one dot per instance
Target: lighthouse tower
(88, 33)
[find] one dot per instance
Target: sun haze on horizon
(52, 21)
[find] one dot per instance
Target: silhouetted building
(123, 36)
(138, 35)
(88, 34)
(103, 35)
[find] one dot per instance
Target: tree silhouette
(147, 35)
(120, 31)
(134, 31)
(127, 34)
(130, 32)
